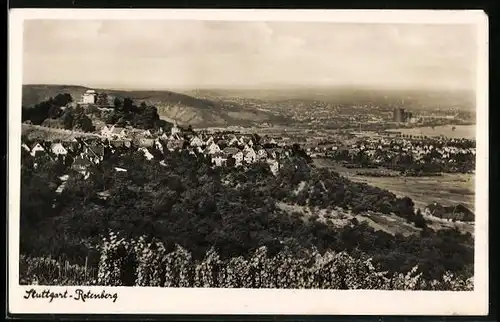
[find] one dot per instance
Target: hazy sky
(203, 54)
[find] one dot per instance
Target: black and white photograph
(238, 152)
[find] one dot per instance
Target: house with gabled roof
(106, 131)
(464, 213)
(147, 133)
(81, 164)
(261, 154)
(196, 142)
(250, 155)
(238, 157)
(37, 149)
(235, 153)
(212, 149)
(218, 159)
(233, 141)
(58, 149)
(209, 140)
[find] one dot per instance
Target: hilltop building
(89, 97)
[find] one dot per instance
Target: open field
(447, 189)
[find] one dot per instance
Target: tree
(256, 138)
(54, 112)
(127, 105)
(121, 122)
(62, 99)
(40, 112)
(419, 220)
(230, 162)
(84, 123)
(102, 100)
(68, 119)
(404, 207)
(117, 103)
(147, 118)
(112, 118)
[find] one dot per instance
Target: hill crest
(172, 106)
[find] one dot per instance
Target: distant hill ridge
(418, 99)
(172, 106)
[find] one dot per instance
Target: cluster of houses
(121, 133)
(383, 149)
(222, 149)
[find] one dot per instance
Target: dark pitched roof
(97, 149)
(458, 209)
(219, 154)
(231, 150)
(81, 162)
(116, 144)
